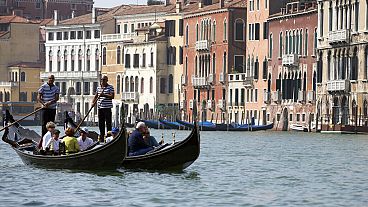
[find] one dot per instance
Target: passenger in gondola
(71, 143)
(114, 133)
(150, 140)
(50, 126)
(84, 141)
(136, 143)
(52, 146)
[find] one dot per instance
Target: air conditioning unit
(183, 104)
(211, 104)
(191, 104)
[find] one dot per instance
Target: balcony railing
(199, 81)
(211, 78)
(338, 36)
(184, 80)
(8, 84)
(248, 81)
(290, 60)
(70, 75)
(267, 97)
(116, 37)
(130, 96)
(202, 45)
(311, 96)
(338, 85)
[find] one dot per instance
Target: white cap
(140, 124)
(85, 129)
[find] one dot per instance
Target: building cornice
(292, 15)
(206, 13)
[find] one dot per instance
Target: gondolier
(48, 95)
(104, 95)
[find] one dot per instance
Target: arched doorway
(335, 111)
(146, 110)
(354, 111)
(365, 112)
(345, 111)
(285, 119)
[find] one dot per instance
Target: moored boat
(154, 124)
(176, 156)
(227, 127)
(173, 125)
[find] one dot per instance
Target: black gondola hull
(177, 157)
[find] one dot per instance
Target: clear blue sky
(111, 3)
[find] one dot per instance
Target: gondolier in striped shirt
(105, 93)
(48, 95)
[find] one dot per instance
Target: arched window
(88, 62)
(72, 61)
(118, 84)
(80, 60)
(104, 56)
(126, 84)
(225, 30)
(270, 46)
(151, 85)
(65, 60)
(196, 65)
(280, 45)
(306, 43)
(50, 61)
(136, 84)
(187, 35)
(286, 43)
(366, 63)
(214, 31)
(239, 30)
(142, 85)
(1, 97)
(131, 84)
(118, 55)
(186, 66)
(224, 68)
(97, 60)
(315, 41)
(171, 83)
(214, 63)
(58, 60)
(197, 32)
(22, 76)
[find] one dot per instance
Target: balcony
(116, 37)
(277, 96)
(339, 36)
(301, 96)
(248, 81)
(311, 96)
(71, 75)
(183, 104)
(222, 78)
(8, 84)
(211, 78)
(338, 85)
(202, 45)
(130, 96)
(221, 104)
(267, 97)
(199, 81)
(290, 60)
(184, 80)
(211, 105)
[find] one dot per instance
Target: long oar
(28, 115)
(93, 105)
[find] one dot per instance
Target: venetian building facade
(291, 78)
(342, 62)
(73, 56)
(214, 45)
(255, 76)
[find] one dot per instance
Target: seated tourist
(136, 143)
(50, 126)
(84, 141)
(71, 143)
(53, 144)
(150, 140)
(114, 132)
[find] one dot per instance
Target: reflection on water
(234, 168)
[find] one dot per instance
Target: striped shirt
(104, 102)
(48, 93)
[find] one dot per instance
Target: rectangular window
(88, 34)
(256, 31)
(127, 60)
(78, 88)
(59, 35)
(80, 35)
(256, 95)
(265, 30)
(170, 28)
(181, 27)
(151, 64)
(95, 85)
(125, 28)
(239, 63)
(72, 35)
(132, 28)
(163, 85)
(97, 34)
(144, 60)
(38, 5)
(86, 90)
(136, 60)
(51, 36)
(63, 88)
(66, 36)
(117, 29)
(181, 54)
(239, 35)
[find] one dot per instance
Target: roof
(27, 65)
(144, 9)
(3, 33)
(193, 8)
(13, 19)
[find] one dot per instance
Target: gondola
(201, 127)
(101, 157)
(173, 125)
(225, 127)
(174, 157)
(154, 124)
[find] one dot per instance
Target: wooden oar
(28, 115)
(85, 116)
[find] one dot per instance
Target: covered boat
(154, 124)
(100, 157)
(175, 156)
(172, 124)
(227, 127)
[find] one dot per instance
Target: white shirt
(109, 139)
(45, 139)
(83, 145)
(54, 143)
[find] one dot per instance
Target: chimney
(200, 5)
(94, 16)
(178, 6)
(56, 17)
(221, 3)
(73, 14)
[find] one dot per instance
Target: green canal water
(234, 169)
